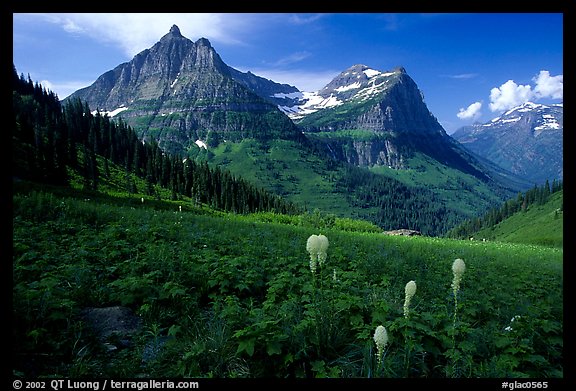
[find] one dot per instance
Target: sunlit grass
(235, 295)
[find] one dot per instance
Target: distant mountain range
(181, 94)
(526, 140)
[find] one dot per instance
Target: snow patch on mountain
(113, 112)
(175, 80)
(524, 108)
(371, 72)
(358, 83)
(352, 86)
(372, 89)
(549, 122)
(312, 103)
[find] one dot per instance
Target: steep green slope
(429, 196)
(225, 296)
(538, 224)
(459, 191)
(287, 169)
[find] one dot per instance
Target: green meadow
(233, 296)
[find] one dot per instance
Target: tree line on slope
(49, 139)
(398, 205)
(537, 195)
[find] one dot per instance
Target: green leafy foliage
(228, 296)
(224, 294)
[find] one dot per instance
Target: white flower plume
(458, 269)
(317, 247)
(410, 291)
(381, 340)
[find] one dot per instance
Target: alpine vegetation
(381, 339)
(317, 246)
(458, 268)
(410, 291)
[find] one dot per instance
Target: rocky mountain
(299, 145)
(282, 95)
(183, 95)
(373, 118)
(526, 140)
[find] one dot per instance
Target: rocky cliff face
(526, 140)
(364, 98)
(377, 151)
(179, 92)
(368, 117)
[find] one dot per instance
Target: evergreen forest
(221, 278)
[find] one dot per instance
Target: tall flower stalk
(317, 247)
(458, 269)
(409, 291)
(381, 340)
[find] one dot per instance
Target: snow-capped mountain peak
(527, 140)
(358, 82)
(538, 117)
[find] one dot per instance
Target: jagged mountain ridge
(526, 140)
(183, 95)
(282, 95)
(180, 92)
(194, 101)
(373, 118)
(384, 101)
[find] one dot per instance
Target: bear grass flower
(458, 268)
(313, 265)
(317, 247)
(381, 340)
(410, 291)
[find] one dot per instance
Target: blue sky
(469, 66)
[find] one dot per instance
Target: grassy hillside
(222, 295)
(138, 281)
(316, 183)
(461, 192)
(286, 169)
(538, 224)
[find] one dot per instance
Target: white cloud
(471, 112)
(72, 27)
(549, 86)
(304, 18)
(292, 58)
(510, 94)
(136, 32)
(463, 76)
